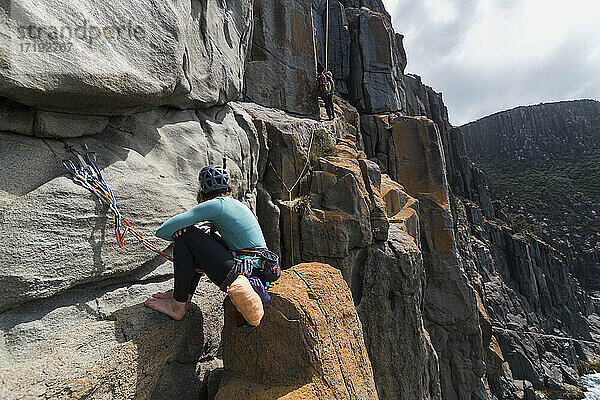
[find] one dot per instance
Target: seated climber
(238, 249)
(326, 88)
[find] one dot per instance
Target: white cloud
(390, 6)
(488, 55)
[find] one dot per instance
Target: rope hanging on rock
(87, 174)
(291, 189)
(327, 37)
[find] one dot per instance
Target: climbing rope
(87, 174)
(312, 24)
(327, 37)
(291, 189)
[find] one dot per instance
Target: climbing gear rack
(86, 173)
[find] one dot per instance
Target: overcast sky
(491, 55)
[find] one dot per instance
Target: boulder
(100, 341)
(90, 59)
(308, 346)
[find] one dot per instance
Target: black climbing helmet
(212, 178)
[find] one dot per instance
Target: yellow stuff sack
(246, 300)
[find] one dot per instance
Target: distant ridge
(543, 163)
(543, 104)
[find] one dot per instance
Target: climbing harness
(326, 82)
(291, 189)
(269, 268)
(86, 173)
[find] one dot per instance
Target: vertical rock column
(375, 83)
(281, 69)
(348, 215)
(410, 150)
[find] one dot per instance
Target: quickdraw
(87, 174)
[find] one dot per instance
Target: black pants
(328, 100)
(196, 249)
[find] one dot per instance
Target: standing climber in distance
(200, 250)
(326, 88)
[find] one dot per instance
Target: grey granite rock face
(88, 58)
(56, 235)
(281, 69)
(73, 319)
(99, 340)
(338, 60)
(365, 55)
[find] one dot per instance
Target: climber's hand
(179, 233)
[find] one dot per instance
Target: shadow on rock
(152, 350)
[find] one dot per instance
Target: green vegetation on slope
(556, 198)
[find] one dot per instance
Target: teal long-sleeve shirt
(234, 221)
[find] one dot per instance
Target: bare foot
(169, 295)
(163, 295)
(170, 307)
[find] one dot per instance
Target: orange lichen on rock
(494, 355)
(309, 345)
